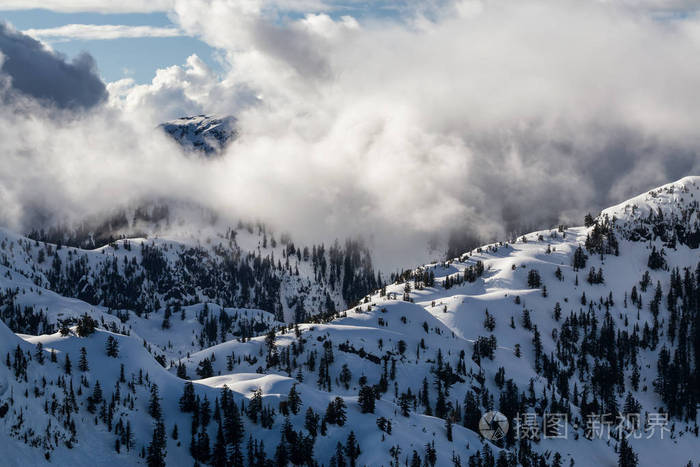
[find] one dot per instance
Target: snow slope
(434, 324)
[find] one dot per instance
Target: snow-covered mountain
(582, 327)
(203, 133)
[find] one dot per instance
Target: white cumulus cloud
(101, 32)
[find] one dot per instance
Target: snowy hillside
(585, 326)
(247, 267)
(202, 133)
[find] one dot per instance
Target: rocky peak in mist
(202, 133)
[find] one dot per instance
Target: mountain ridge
(572, 320)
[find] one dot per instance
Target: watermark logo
(493, 425)
(533, 426)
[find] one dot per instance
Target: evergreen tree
(154, 409)
(112, 347)
(430, 454)
(281, 456)
(188, 398)
(293, 399)
(626, 456)
(533, 279)
(255, 405)
(537, 345)
(181, 371)
(233, 426)
(95, 398)
(441, 403)
(366, 399)
(39, 355)
(352, 449)
(338, 459)
(156, 449)
(472, 412)
(345, 376)
(579, 259)
(218, 457)
(335, 412)
(656, 259)
(415, 459)
(311, 422)
(203, 453)
(86, 325)
(83, 363)
(67, 365)
(205, 369)
(204, 412)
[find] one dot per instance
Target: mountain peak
(670, 213)
(207, 134)
(667, 198)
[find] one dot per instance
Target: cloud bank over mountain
(499, 116)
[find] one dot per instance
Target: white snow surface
(453, 318)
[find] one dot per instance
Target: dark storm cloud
(46, 75)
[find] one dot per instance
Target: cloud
(177, 91)
(140, 6)
(509, 74)
(659, 5)
(45, 75)
(305, 6)
(479, 120)
(98, 6)
(101, 32)
(490, 119)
